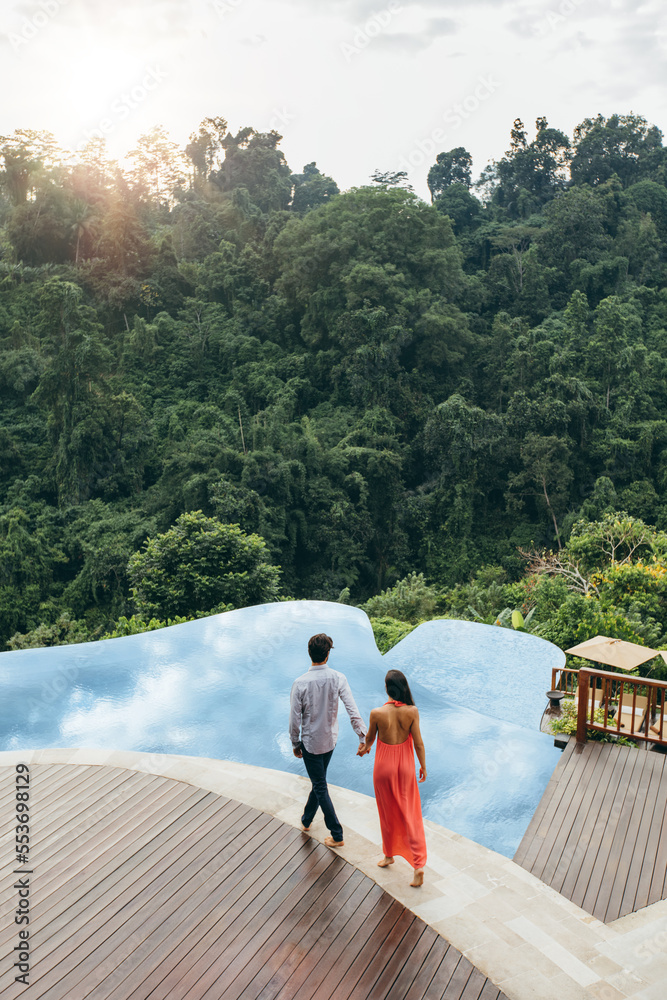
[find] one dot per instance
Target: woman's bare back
(394, 722)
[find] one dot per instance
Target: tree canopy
(209, 359)
(201, 565)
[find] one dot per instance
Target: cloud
(403, 42)
(633, 58)
(120, 21)
(439, 26)
(553, 18)
(416, 41)
(253, 41)
(616, 43)
(356, 10)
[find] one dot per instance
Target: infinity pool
(219, 687)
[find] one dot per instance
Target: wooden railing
(563, 679)
(616, 703)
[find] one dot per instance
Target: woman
(397, 727)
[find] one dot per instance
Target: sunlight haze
(354, 85)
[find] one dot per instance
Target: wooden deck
(599, 835)
(145, 888)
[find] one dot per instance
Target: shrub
(63, 632)
(389, 631)
(409, 600)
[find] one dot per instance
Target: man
(314, 712)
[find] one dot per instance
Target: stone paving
(533, 943)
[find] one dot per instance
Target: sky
(354, 85)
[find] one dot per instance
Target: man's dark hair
(319, 646)
(398, 687)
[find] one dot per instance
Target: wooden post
(582, 706)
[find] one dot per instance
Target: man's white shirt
(314, 709)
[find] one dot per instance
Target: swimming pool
(219, 687)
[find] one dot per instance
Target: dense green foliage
(409, 600)
(201, 565)
(388, 631)
(376, 387)
(567, 724)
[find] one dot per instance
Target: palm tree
(84, 223)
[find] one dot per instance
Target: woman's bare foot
(385, 862)
(418, 877)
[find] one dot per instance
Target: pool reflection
(219, 687)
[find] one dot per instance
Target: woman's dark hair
(398, 687)
(319, 646)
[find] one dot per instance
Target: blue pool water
(219, 687)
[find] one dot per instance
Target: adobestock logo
(365, 33)
(454, 117)
(31, 26)
(554, 18)
(122, 106)
(224, 7)
(281, 116)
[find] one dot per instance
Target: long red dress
(398, 802)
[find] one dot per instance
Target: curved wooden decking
(147, 887)
(599, 835)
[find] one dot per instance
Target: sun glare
(104, 92)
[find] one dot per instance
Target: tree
(73, 389)
(29, 552)
(515, 270)
(546, 475)
(91, 179)
(40, 231)
(312, 188)
(198, 565)
(205, 148)
(159, 165)
(122, 252)
(625, 145)
(615, 323)
(531, 174)
(651, 200)
(460, 205)
(99, 539)
(362, 379)
(83, 226)
(454, 167)
(575, 230)
(361, 273)
(254, 162)
(26, 156)
(391, 178)
(614, 540)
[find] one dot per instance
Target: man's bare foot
(418, 877)
(306, 829)
(330, 842)
(385, 862)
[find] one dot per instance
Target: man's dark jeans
(316, 766)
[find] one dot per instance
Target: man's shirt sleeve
(345, 694)
(295, 715)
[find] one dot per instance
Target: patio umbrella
(615, 652)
